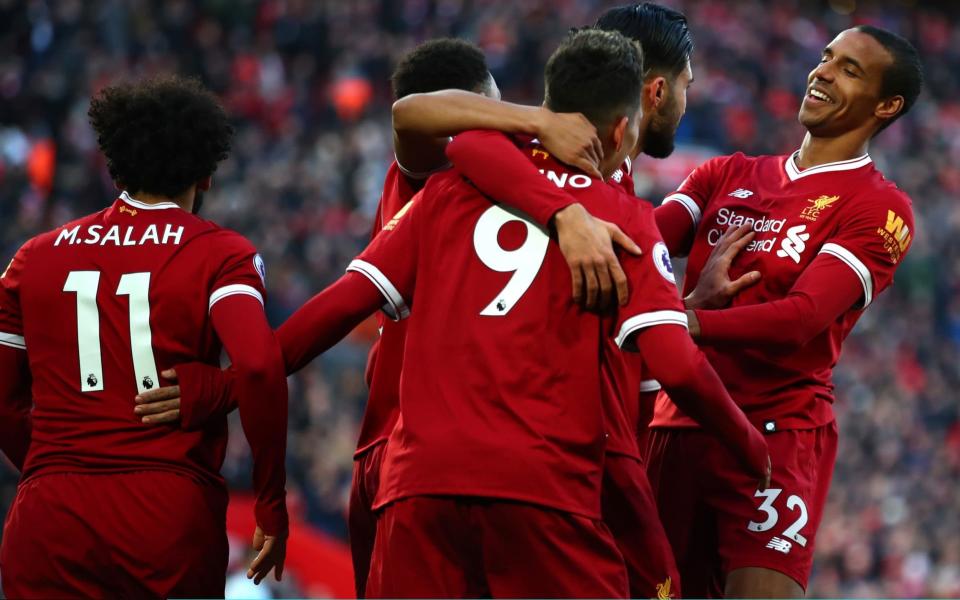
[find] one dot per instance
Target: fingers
(620, 281)
(158, 395)
(577, 277)
(260, 566)
(618, 237)
(170, 416)
(593, 289)
(155, 408)
(602, 271)
(742, 282)
(170, 374)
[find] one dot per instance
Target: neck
(184, 200)
(821, 150)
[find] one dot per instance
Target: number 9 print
(794, 502)
(524, 262)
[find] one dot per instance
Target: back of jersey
(105, 304)
(500, 390)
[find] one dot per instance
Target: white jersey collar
(143, 205)
(795, 173)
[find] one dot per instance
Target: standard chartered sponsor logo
(794, 244)
(727, 218)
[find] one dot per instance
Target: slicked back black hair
(902, 78)
(662, 32)
(597, 73)
(441, 64)
(161, 135)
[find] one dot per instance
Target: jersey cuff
(650, 385)
(658, 317)
(14, 341)
(688, 203)
(395, 308)
(233, 290)
(860, 269)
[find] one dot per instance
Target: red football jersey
(102, 306)
(847, 210)
(385, 362)
(500, 391)
(627, 398)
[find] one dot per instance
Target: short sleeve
(11, 318)
(695, 191)
(390, 261)
(873, 241)
(654, 297)
(242, 271)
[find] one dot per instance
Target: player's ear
(620, 132)
(654, 93)
(888, 108)
(204, 184)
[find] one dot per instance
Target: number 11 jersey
(102, 305)
(500, 392)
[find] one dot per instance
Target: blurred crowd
(307, 84)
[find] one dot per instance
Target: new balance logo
(780, 545)
(740, 193)
(794, 244)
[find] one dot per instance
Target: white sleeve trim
(861, 270)
(658, 317)
(232, 290)
(14, 341)
(688, 203)
(650, 385)
(395, 308)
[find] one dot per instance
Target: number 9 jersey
(102, 305)
(500, 391)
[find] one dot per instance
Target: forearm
(450, 112)
(15, 404)
(261, 394)
(500, 170)
(326, 319)
(694, 386)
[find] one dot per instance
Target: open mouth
(819, 96)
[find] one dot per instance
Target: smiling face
(843, 91)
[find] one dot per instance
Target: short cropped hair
(160, 135)
(902, 78)
(597, 73)
(441, 64)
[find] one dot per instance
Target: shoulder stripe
(13, 341)
(688, 203)
(861, 270)
(395, 308)
(658, 317)
(232, 290)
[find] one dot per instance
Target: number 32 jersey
(102, 305)
(500, 390)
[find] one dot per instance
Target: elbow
(401, 112)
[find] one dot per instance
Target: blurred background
(307, 84)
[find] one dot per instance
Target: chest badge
(812, 212)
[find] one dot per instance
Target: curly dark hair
(440, 64)
(161, 135)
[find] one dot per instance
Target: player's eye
(850, 72)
